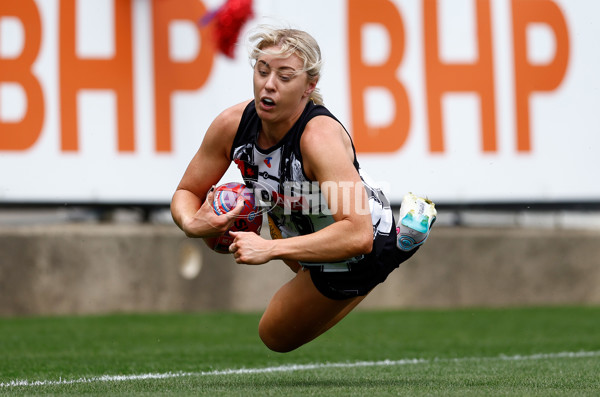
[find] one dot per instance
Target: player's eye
(286, 76)
(262, 72)
(261, 69)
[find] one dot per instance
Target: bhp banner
(466, 101)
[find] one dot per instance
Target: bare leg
(298, 313)
(294, 265)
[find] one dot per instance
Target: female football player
(328, 224)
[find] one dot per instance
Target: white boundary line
(294, 368)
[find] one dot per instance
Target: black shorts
(363, 275)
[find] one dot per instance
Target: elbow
(364, 243)
(368, 244)
(361, 241)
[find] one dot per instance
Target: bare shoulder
(221, 132)
(212, 158)
(325, 142)
(228, 120)
(323, 127)
(325, 133)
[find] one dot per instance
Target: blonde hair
(289, 41)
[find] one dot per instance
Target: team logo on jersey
(248, 170)
(268, 161)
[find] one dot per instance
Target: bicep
(343, 190)
(204, 170)
(326, 156)
(211, 161)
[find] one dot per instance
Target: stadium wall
(106, 268)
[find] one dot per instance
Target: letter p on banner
(530, 78)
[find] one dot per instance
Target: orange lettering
(362, 76)
(441, 77)
(115, 74)
(171, 76)
(530, 78)
(23, 134)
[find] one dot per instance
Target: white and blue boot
(417, 216)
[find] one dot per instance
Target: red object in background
(227, 22)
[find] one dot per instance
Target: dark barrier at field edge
(100, 268)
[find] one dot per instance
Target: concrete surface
(102, 268)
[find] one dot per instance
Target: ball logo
(256, 200)
(248, 220)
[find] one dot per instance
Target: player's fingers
(210, 195)
(239, 206)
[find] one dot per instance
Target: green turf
(460, 352)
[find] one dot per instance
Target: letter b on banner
(362, 76)
(22, 134)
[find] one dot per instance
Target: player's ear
(311, 87)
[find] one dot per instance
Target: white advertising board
(466, 101)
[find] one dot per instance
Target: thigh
(298, 313)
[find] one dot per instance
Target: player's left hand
(250, 249)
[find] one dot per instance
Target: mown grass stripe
(293, 368)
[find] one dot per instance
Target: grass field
(533, 351)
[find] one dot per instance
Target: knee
(275, 339)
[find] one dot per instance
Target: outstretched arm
(191, 205)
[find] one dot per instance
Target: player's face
(280, 87)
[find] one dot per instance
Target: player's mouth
(267, 103)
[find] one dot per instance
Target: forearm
(197, 218)
(184, 205)
(339, 241)
(194, 217)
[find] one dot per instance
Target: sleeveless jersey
(294, 203)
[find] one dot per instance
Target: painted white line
(294, 368)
